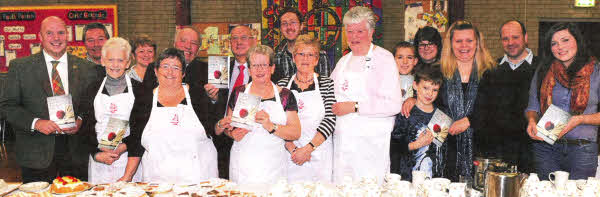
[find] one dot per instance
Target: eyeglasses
(428, 45)
(285, 24)
(169, 67)
(242, 38)
(257, 66)
(304, 55)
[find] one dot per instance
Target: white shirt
(236, 72)
(528, 58)
(63, 72)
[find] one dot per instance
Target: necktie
(240, 78)
(57, 86)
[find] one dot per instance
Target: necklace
(304, 81)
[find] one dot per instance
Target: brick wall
(490, 14)
(157, 17)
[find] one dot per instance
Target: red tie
(240, 78)
(57, 86)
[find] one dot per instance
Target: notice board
(20, 26)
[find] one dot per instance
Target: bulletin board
(20, 27)
(215, 37)
(421, 13)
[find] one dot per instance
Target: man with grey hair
(43, 149)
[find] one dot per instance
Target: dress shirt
(528, 58)
(62, 69)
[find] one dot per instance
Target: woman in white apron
(258, 155)
(367, 89)
(174, 143)
(310, 158)
(110, 98)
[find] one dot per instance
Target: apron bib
(260, 157)
(311, 112)
(177, 148)
(361, 143)
(117, 106)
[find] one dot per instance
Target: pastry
(68, 184)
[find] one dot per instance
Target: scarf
(459, 107)
(579, 85)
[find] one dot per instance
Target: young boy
(406, 59)
(410, 147)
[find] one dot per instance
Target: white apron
(361, 143)
(177, 148)
(260, 157)
(116, 106)
(311, 111)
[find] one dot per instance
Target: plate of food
(34, 187)
(67, 185)
(6, 188)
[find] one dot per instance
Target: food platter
(34, 187)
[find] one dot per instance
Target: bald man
(43, 149)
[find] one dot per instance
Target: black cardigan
(88, 128)
(142, 108)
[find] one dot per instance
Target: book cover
(218, 71)
(406, 82)
(552, 122)
(60, 109)
(439, 125)
(245, 110)
(113, 134)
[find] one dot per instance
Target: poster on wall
(421, 13)
(21, 25)
(322, 19)
(215, 37)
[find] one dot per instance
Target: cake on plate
(68, 184)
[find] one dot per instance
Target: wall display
(215, 37)
(421, 13)
(322, 19)
(21, 25)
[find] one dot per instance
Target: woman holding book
(567, 78)
(169, 124)
(108, 102)
(258, 154)
(311, 156)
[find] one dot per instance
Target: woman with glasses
(367, 88)
(311, 156)
(170, 124)
(258, 155)
(428, 43)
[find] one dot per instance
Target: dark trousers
(580, 161)
(62, 165)
(223, 145)
(514, 148)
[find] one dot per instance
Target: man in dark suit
(241, 40)
(43, 149)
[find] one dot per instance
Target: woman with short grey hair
(366, 85)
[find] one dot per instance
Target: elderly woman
(428, 42)
(465, 59)
(367, 89)
(568, 77)
(109, 98)
(144, 49)
(314, 94)
(170, 123)
(258, 155)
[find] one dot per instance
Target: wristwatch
(274, 129)
(355, 106)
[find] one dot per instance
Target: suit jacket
(25, 99)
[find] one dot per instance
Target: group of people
(316, 122)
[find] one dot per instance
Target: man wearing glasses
(290, 23)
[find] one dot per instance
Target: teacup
(560, 179)
(418, 177)
(392, 177)
(533, 177)
(457, 189)
(441, 184)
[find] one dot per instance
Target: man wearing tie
(43, 149)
